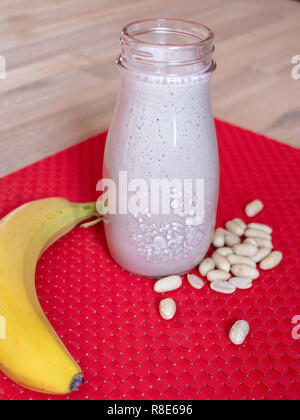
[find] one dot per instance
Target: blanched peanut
(244, 270)
(239, 259)
(271, 261)
(231, 239)
(246, 250)
(225, 250)
(260, 226)
(219, 275)
(261, 254)
(250, 241)
(167, 284)
(223, 287)
(239, 332)
(240, 222)
(256, 233)
(205, 266)
(253, 208)
(262, 242)
(218, 239)
(167, 308)
(234, 228)
(220, 261)
(241, 282)
(195, 281)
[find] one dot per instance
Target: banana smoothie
(163, 129)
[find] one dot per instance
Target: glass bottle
(163, 130)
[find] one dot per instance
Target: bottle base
(158, 277)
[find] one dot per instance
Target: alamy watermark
(2, 67)
(296, 69)
(296, 329)
(2, 328)
(153, 196)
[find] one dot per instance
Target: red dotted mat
(109, 320)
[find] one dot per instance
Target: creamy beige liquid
(162, 130)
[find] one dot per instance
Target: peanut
(250, 241)
(223, 287)
(195, 281)
(246, 250)
(262, 242)
(220, 261)
(205, 266)
(167, 308)
(260, 226)
(167, 284)
(239, 332)
(218, 239)
(261, 254)
(234, 228)
(219, 275)
(225, 251)
(239, 259)
(231, 239)
(241, 282)
(244, 270)
(253, 208)
(240, 222)
(271, 261)
(257, 233)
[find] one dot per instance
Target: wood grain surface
(61, 81)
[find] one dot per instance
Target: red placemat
(108, 318)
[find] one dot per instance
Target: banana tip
(76, 382)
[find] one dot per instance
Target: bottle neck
(167, 49)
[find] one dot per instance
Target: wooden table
(61, 82)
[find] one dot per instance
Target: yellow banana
(31, 353)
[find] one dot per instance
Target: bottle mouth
(168, 33)
(169, 46)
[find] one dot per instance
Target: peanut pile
(239, 248)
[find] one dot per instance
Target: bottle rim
(127, 32)
(167, 47)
